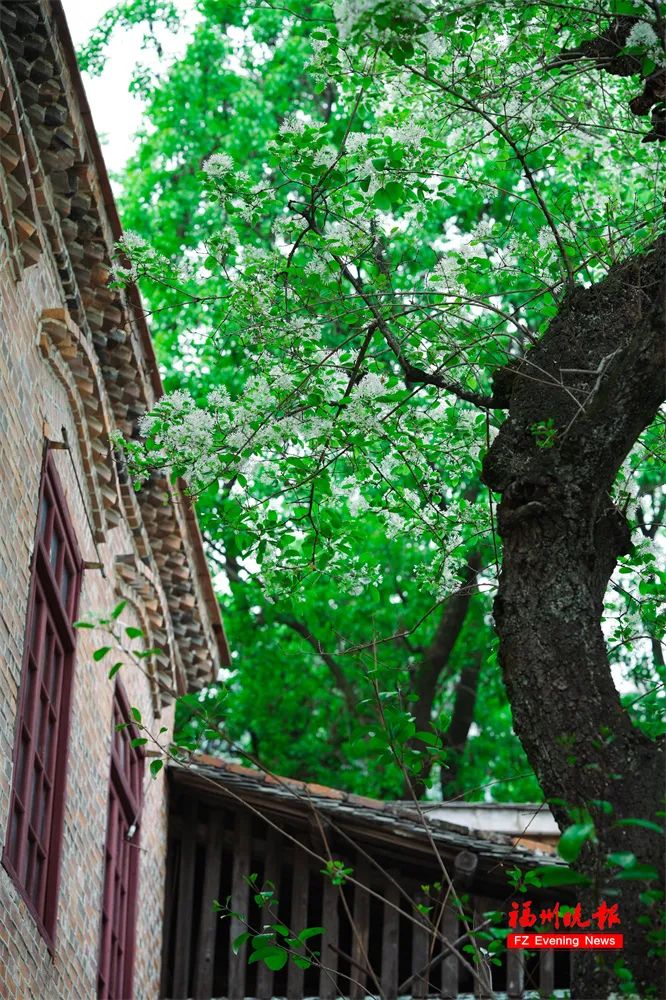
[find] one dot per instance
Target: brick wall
(33, 406)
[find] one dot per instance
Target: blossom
(134, 241)
(218, 165)
(643, 35)
(408, 133)
(292, 123)
(482, 230)
(370, 386)
(356, 141)
(395, 524)
(546, 237)
(356, 503)
(325, 157)
(447, 268)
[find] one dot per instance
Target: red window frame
(32, 848)
(121, 865)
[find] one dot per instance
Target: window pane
(38, 785)
(122, 860)
(44, 509)
(55, 549)
(65, 581)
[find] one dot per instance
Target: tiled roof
(396, 824)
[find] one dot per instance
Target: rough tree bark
(598, 374)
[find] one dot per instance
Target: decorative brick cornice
(76, 367)
(96, 340)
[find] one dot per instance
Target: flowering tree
(413, 295)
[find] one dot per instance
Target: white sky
(116, 112)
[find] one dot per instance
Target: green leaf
(638, 872)
(83, 624)
(573, 839)
(114, 669)
(155, 767)
(646, 824)
(118, 610)
(100, 653)
(555, 875)
(275, 958)
(624, 859)
(138, 741)
(134, 633)
(382, 200)
(238, 942)
(310, 932)
(136, 714)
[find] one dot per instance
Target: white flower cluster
(348, 12)
(134, 241)
(292, 124)
(325, 157)
(356, 141)
(141, 255)
(643, 36)
(546, 238)
(218, 165)
(409, 133)
(343, 236)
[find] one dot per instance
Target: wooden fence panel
(205, 964)
(515, 973)
(240, 895)
(298, 919)
(390, 942)
(329, 956)
(271, 874)
(483, 982)
(420, 942)
(183, 938)
(450, 965)
(360, 932)
(546, 973)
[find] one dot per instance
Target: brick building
(82, 824)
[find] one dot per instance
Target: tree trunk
(598, 374)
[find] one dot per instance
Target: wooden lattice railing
(368, 947)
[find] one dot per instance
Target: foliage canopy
(346, 219)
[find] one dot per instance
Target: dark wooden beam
(450, 965)
(390, 942)
(546, 974)
(298, 919)
(240, 895)
(329, 957)
(205, 964)
(515, 973)
(271, 874)
(420, 941)
(483, 984)
(183, 940)
(360, 931)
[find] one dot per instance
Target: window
(32, 847)
(114, 981)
